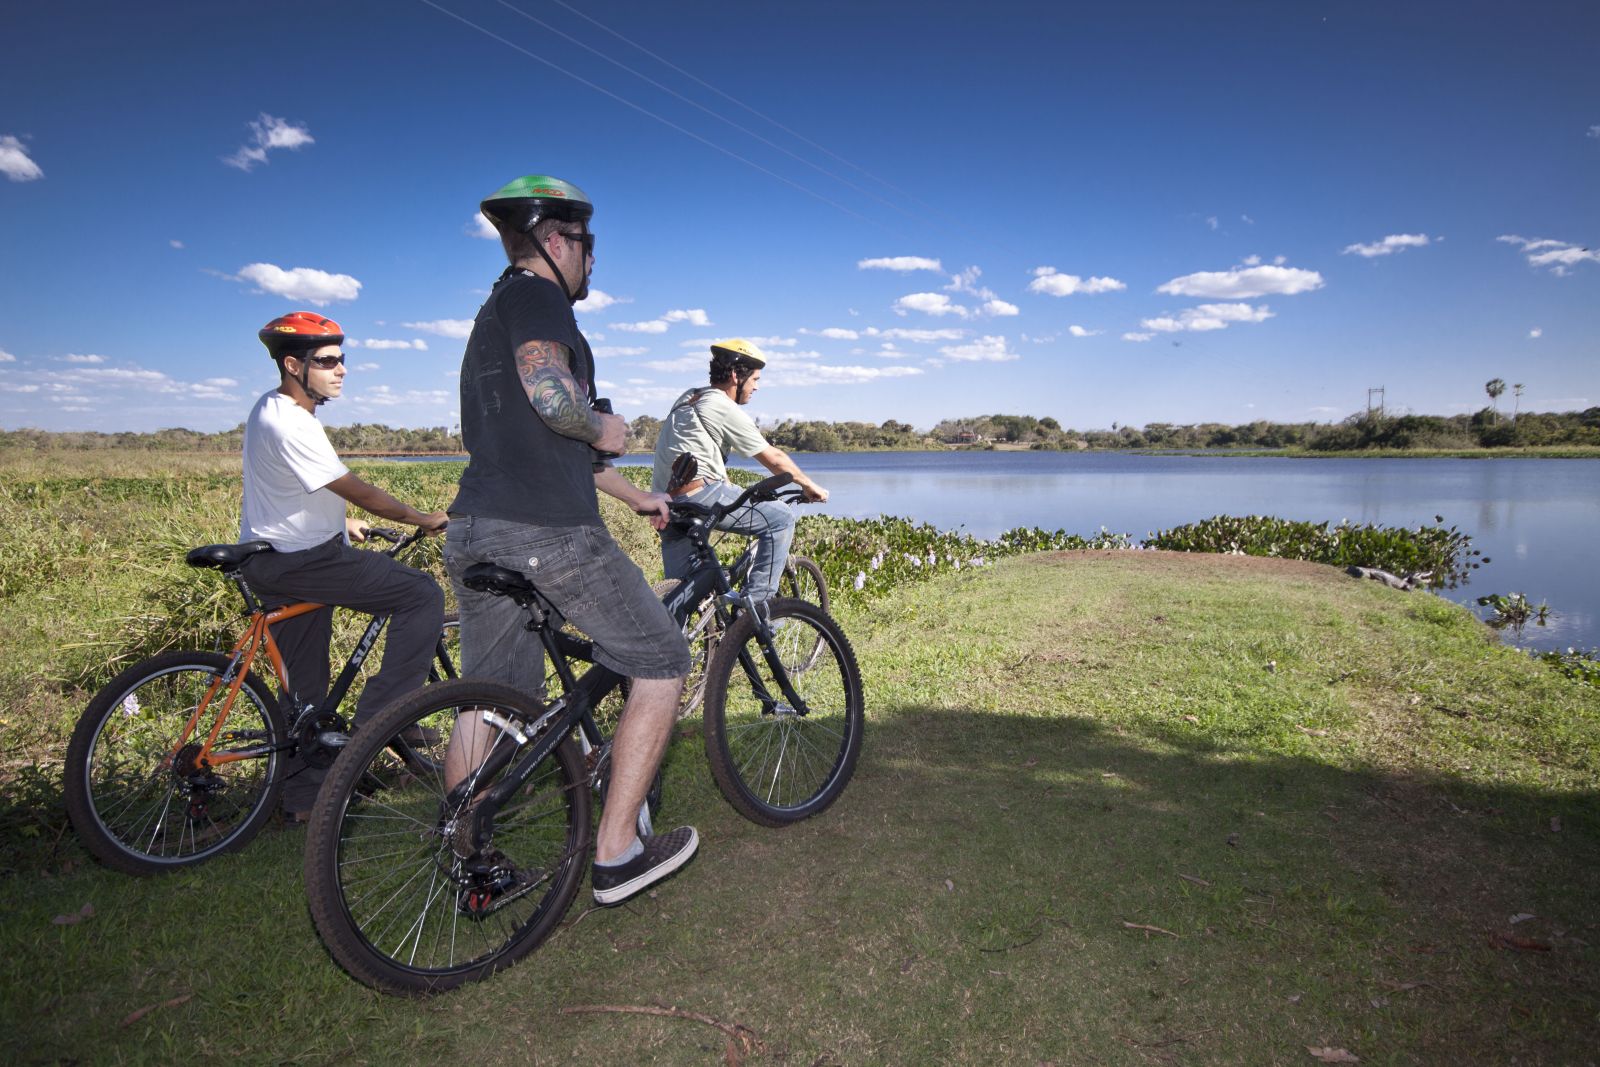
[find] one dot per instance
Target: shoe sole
(618, 893)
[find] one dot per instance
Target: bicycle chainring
(313, 735)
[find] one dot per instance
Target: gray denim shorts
(591, 582)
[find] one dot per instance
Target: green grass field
(1113, 807)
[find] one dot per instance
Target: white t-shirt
(288, 463)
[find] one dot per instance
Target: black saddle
(489, 578)
(227, 557)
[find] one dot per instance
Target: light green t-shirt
(711, 427)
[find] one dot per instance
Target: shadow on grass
(990, 887)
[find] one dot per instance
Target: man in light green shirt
(708, 424)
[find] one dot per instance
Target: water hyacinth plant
(1433, 556)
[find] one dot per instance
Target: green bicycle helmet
(522, 202)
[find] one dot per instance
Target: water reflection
(1535, 519)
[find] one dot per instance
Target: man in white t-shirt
(295, 491)
(708, 424)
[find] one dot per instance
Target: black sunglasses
(583, 237)
(325, 362)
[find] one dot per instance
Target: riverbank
(1109, 804)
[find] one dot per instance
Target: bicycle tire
(702, 631)
(129, 805)
(774, 764)
(802, 579)
(424, 751)
(384, 885)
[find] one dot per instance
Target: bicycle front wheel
(137, 791)
(403, 894)
(779, 756)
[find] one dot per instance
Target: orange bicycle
(182, 756)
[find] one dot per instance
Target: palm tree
(1494, 387)
(1516, 404)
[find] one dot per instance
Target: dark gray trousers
(337, 575)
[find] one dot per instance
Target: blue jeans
(769, 522)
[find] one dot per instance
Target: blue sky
(1108, 214)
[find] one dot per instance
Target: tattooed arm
(558, 398)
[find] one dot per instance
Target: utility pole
(1378, 392)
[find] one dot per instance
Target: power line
(716, 115)
(650, 114)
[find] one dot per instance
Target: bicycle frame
(258, 636)
(574, 709)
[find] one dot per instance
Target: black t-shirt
(519, 469)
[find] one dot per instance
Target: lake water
(1536, 519)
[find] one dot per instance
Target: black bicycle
(181, 756)
(417, 887)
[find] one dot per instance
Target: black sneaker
(497, 884)
(663, 854)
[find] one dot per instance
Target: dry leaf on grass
(1521, 917)
(135, 1016)
(1333, 1055)
(1518, 944)
(75, 917)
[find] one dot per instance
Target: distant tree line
(1487, 428)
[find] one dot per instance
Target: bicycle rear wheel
(390, 871)
(703, 631)
(802, 579)
(775, 761)
(135, 790)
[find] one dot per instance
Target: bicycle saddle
(225, 556)
(489, 578)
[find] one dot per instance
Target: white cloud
(999, 308)
(175, 244)
(1559, 256)
(480, 226)
(15, 162)
(605, 351)
(805, 374)
(417, 343)
(898, 333)
(1211, 221)
(693, 316)
(1208, 317)
(1242, 282)
(220, 383)
(1079, 331)
(301, 283)
(899, 263)
(990, 349)
(929, 304)
(835, 333)
(1395, 242)
(83, 359)
(596, 301)
(382, 396)
(1594, 131)
(456, 329)
(6, 357)
(267, 133)
(1051, 282)
(682, 363)
(1137, 336)
(369, 366)
(8, 387)
(1536, 332)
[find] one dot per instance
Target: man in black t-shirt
(528, 502)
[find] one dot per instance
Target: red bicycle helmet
(297, 331)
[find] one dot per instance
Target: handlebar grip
(386, 533)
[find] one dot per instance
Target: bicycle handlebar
(766, 489)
